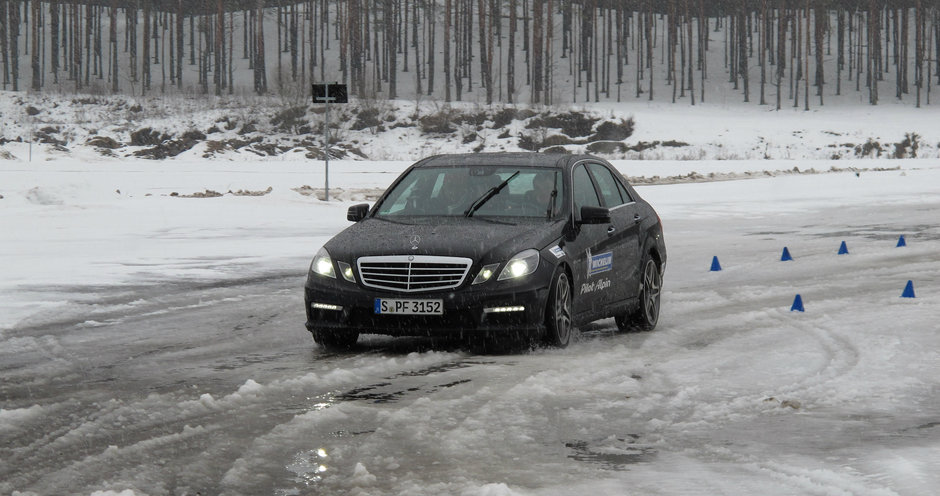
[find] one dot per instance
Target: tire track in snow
(808, 481)
(118, 437)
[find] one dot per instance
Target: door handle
(611, 230)
(637, 218)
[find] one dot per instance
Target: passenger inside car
(540, 197)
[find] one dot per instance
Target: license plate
(409, 307)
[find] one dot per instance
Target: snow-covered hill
(42, 127)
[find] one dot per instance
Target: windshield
(452, 191)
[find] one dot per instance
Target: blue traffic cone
(797, 304)
(901, 241)
(843, 250)
(908, 290)
(786, 255)
(715, 265)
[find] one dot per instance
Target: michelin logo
(600, 263)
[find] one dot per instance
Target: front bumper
(464, 308)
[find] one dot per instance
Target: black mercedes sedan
(499, 249)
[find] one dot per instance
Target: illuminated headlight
(523, 264)
(322, 264)
(346, 271)
(504, 309)
(326, 306)
(486, 273)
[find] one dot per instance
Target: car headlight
(486, 273)
(523, 264)
(322, 264)
(346, 271)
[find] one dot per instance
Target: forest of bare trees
(773, 52)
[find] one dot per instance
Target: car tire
(335, 339)
(558, 322)
(646, 315)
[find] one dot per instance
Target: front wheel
(558, 318)
(335, 339)
(645, 317)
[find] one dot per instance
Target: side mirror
(357, 212)
(594, 215)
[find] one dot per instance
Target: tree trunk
(649, 45)
(820, 23)
(113, 40)
(840, 61)
(548, 53)
(218, 71)
(13, 23)
(35, 31)
(782, 19)
(431, 45)
(145, 65)
(918, 48)
(261, 78)
(447, 41)
(391, 46)
(485, 59)
(76, 31)
(4, 50)
(179, 43)
(511, 56)
(537, 46)
(742, 49)
(806, 60)
(688, 19)
(762, 59)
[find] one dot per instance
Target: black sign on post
(328, 93)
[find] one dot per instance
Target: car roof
(510, 159)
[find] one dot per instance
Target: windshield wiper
(551, 201)
(489, 194)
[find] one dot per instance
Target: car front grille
(412, 273)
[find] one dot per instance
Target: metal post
(339, 96)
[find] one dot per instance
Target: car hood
(477, 239)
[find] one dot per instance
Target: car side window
(583, 189)
(607, 185)
(627, 197)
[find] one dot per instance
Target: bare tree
(782, 19)
(391, 47)
(819, 19)
(431, 45)
(486, 50)
(145, 65)
(261, 78)
(179, 43)
(35, 30)
(4, 49)
(13, 59)
(511, 56)
(218, 74)
(113, 42)
(742, 48)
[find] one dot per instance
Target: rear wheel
(558, 318)
(335, 339)
(646, 315)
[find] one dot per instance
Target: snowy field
(153, 344)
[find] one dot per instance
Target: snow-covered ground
(243, 128)
(153, 343)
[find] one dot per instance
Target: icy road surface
(159, 349)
